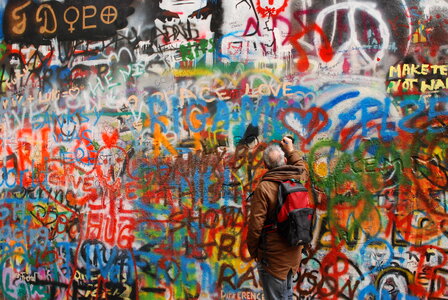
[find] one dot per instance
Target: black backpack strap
(250, 196)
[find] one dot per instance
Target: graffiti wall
(131, 134)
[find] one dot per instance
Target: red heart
(313, 119)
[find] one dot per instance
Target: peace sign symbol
(352, 43)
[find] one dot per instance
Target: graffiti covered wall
(131, 134)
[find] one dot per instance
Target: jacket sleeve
(258, 212)
(295, 158)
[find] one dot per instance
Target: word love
(28, 21)
(285, 89)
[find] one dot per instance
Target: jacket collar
(283, 172)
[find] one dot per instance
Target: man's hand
(287, 144)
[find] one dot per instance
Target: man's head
(274, 157)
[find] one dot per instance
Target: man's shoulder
(264, 183)
(265, 186)
(283, 173)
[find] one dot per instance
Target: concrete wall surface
(132, 132)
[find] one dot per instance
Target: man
(276, 260)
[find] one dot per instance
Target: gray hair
(274, 156)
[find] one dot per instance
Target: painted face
(181, 21)
(393, 283)
(183, 8)
(68, 126)
(111, 164)
(271, 7)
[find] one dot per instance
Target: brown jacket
(279, 256)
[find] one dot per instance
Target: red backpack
(294, 213)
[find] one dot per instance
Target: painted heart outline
(312, 121)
